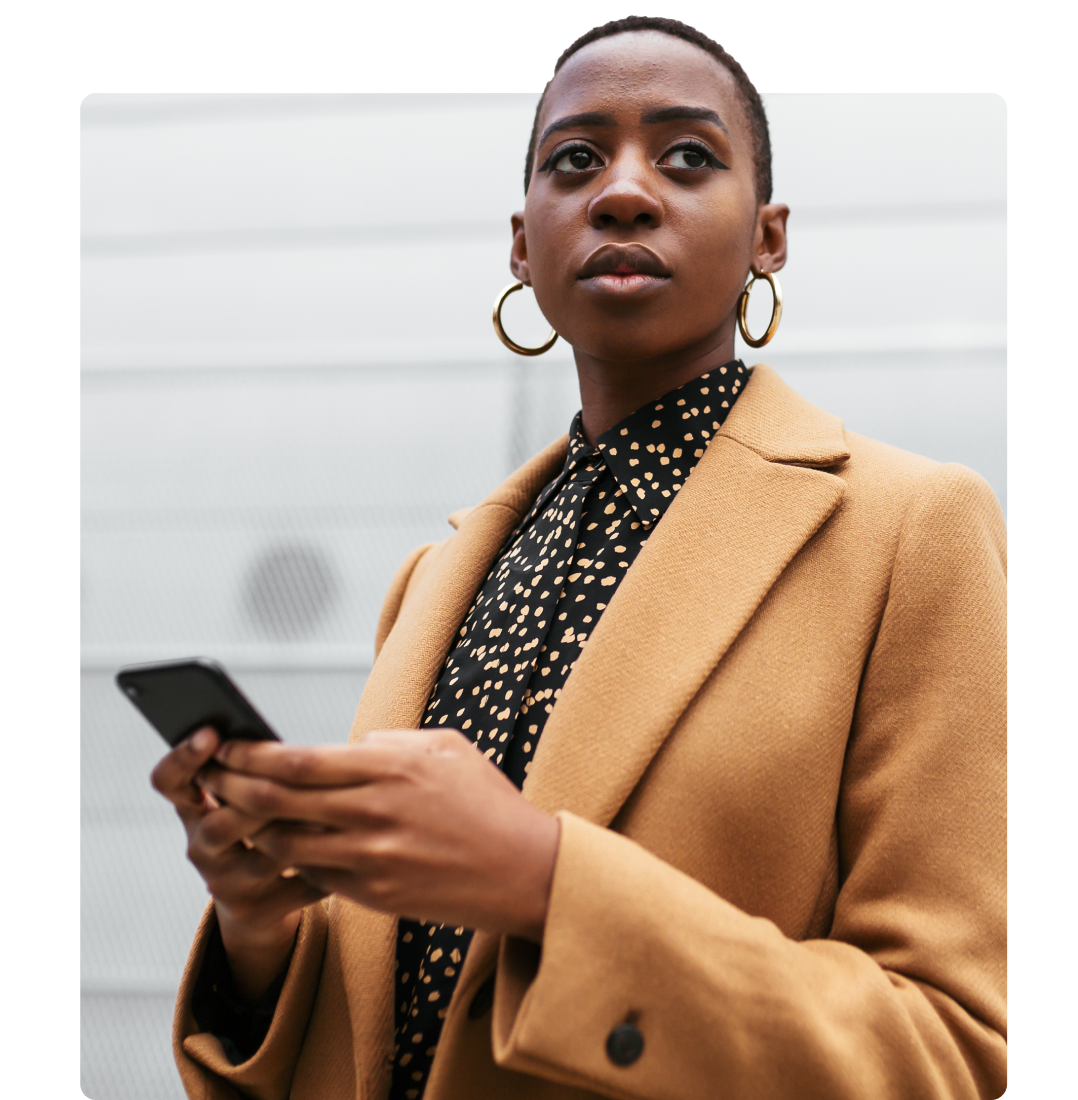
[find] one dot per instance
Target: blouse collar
(653, 450)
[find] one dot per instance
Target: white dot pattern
(526, 629)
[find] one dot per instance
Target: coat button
(483, 999)
(624, 1044)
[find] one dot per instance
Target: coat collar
(741, 517)
(652, 451)
(781, 426)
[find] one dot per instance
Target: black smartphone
(179, 697)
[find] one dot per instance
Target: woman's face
(641, 219)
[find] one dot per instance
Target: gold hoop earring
(511, 344)
(776, 310)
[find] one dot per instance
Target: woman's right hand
(258, 910)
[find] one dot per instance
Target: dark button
(624, 1044)
(483, 999)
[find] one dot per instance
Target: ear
(769, 246)
(518, 254)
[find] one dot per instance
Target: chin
(628, 338)
(617, 347)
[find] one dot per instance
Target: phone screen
(179, 697)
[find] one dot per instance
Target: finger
(265, 800)
(285, 843)
(365, 804)
(221, 829)
(375, 893)
(175, 772)
(268, 900)
(230, 868)
(240, 872)
(389, 754)
(329, 880)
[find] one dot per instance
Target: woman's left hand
(412, 822)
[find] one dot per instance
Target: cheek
(715, 248)
(721, 229)
(553, 231)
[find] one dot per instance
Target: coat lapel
(415, 650)
(737, 523)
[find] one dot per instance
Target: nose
(624, 202)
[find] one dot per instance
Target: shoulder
(876, 469)
(408, 575)
(905, 516)
(905, 491)
(935, 529)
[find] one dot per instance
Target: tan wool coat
(779, 766)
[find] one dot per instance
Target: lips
(623, 260)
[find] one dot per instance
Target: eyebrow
(588, 118)
(659, 114)
(669, 114)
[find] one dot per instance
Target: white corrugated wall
(290, 379)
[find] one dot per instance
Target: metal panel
(290, 380)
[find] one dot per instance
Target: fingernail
(202, 740)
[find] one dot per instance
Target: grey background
(290, 379)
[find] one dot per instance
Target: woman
(746, 667)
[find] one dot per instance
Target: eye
(692, 157)
(686, 158)
(577, 158)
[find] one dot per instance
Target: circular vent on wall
(288, 590)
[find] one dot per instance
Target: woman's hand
(257, 910)
(412, 822)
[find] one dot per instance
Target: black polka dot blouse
(530, 620)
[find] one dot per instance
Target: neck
(612, 389)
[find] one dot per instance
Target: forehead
(635, 70)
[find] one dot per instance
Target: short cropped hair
(750, 97)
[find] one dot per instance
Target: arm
(905, 998)
(221, 1007)
(203, 1060)
(237, 1028)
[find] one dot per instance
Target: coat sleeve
(906, 996)
(267, 1075)
(206, 1072)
